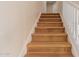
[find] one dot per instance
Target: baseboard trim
(29, 38)
(74, 50)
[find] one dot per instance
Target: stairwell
(49, 38)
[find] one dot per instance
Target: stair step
(50, 19)
(49, 54)
(49, 37)
(49, 44)
(60, 34)
(49, 16)
(49, 47)
(55, 24)
(49, 30)
(48, 22)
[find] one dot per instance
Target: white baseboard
(29, 38)
(74, 50)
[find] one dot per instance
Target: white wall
(55, 7)
(44, 7)
(49, 7)
(16, 22)
(71, 17)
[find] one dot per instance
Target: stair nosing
(50, 18)
(48, 22)
(47, 52)
(51, 27)
(52, 44)
(49, 34)
(50, 15)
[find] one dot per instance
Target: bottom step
(49, 54)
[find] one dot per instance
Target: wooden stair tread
(51, 34)
(50, 14)
(49, 55)
(49, 27)
(51, 52)
(49, 44)
(48, 22)
(50, 18)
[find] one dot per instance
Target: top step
(50, 14)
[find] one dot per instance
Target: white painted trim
(74, 4)
(74, 50)
(29, 38)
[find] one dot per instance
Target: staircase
(50, 38)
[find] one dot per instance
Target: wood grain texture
(49, 38)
